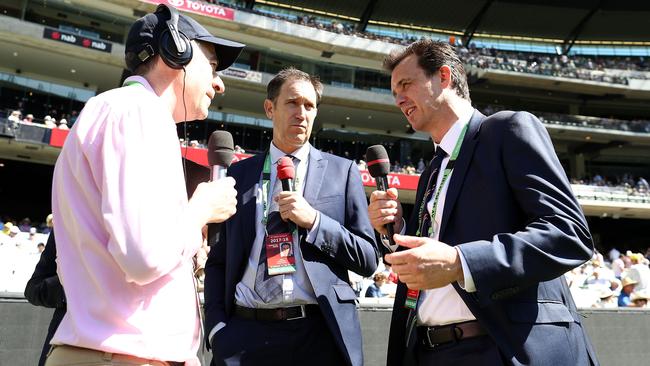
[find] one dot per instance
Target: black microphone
(220, 154)
(378, 167)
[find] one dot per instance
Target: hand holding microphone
(217, 199)
(292, 205)
(384, 210)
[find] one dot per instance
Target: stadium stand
(592, 97)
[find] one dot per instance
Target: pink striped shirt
(124, 242)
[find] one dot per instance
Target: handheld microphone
(378, 167)
(286, 174)
(220, 154)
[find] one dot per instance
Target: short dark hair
(139, 68)
(431, 56)
(291, 73)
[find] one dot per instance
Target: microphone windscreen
(286, 170)
(220, 149)
(377, 161)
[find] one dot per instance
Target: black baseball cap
(145, 32)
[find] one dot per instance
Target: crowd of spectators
(620, 280)
(594, 68)
(600, 123)
(574, 67)
(15, 119)
(20, 246)
(633, 186)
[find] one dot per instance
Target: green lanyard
(448, 169)
(129, 83)
(266, 184)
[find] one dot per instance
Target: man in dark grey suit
(263, 308)
(495, 226)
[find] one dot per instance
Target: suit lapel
(315, 175)
(460, 169)
(247, 212)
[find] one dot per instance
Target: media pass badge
(279, 254)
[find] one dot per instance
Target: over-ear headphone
(174, 47)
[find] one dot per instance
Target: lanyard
(129, 83)
(266, 191)
(448, 169)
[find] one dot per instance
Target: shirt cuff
(214, 331)
(468, 280)
(311, 235)
(386, 242)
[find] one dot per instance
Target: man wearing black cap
(128, 281)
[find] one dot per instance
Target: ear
(445, 76)
(268, 108)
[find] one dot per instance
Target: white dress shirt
(443, 305)
(297, 288)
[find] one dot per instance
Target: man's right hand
(214, 202)
(383, 209)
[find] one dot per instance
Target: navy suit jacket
(345, 241)
(510, 210)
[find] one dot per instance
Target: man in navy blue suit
(265, 308)
(494, 227)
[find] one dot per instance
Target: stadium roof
(559, 20)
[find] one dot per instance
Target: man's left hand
(293, 207)
(427, 264)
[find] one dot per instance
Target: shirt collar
(140, 80)
(448, 142)
(301, 153)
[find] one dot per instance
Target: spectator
(421, 166)
(362, 165)
(607, 299)
(49, 224)
(49, 122)
(25, 224)
(374, 290)
(628, 287)
(639, 271)
(41, 247)
(640, 299)
(63, 124)
(618, 265)
(6, 229)
(14, 117)
(29, 119)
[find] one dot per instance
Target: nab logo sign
(176, 3)
(70, 38)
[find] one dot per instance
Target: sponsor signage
(198, 7)
(77, 40)
(399, 181)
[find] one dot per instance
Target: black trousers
(475, 351)
(305, 341)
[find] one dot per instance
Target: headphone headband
(173, 46)
(172, 25)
